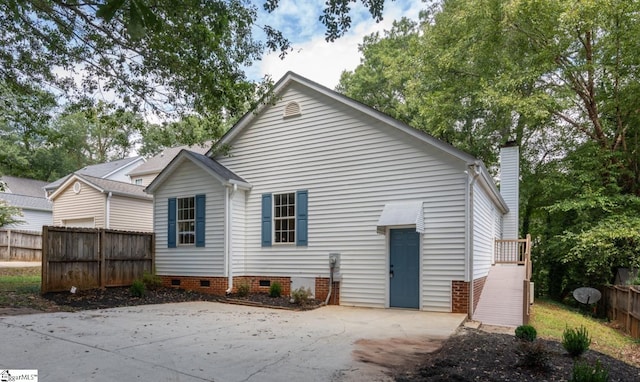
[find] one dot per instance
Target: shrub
(526, 333)
(151, 281)
(576, 341)
(583, 372)
(138, 289)
(275, 290)
(301, 295)
(243, 289)
(534, 355)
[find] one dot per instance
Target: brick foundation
(216, 285)
(478, 286)
(459, 296)
(257, 284)
(322, 290)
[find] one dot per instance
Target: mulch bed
(474, 355)
(121, 296)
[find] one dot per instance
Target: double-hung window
(186, 221)
(284, 218)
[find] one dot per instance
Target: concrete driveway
(207, 341)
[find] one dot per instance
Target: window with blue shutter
(200, 220)
(171, 229)
(266, 220)
(301, 218)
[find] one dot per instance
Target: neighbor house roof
(289, 78)
(101, 170)
(23, 186)
(215, 169)
(104, 186)
(157, 163)
(27, 202)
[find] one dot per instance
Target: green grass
(19, 283)
(550, 320)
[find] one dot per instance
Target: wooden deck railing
(518, 251)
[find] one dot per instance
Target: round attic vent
(77, 186)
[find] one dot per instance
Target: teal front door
(404, 268)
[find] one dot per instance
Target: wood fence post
(628, 320)
(101, 256)
(44, 266)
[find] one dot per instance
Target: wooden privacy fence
(16, 245)
(623, 307)
(94, 257)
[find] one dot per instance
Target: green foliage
(138, 288)
(151, 281)
(301, 295)
(526, 333)
(243, 289)
(275, 290)
(534, 355)
(576, 341)
(9, 214)
(583, 372)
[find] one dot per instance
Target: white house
(29, 196)
(312, 177)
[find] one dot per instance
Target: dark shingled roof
(24, 186)
(119, 188)
(27, 202)
(97, 170)
(219, 169)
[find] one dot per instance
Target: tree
(8, 214)
(559, 78)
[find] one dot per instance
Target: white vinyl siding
(238, 229)
(32, 220)
(351, 165)
(88, 203)
(122, 175)
(509, 188)
(483, 232)
(131, 214)
(189, 180)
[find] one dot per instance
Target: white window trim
(178, 221)
(294, 217)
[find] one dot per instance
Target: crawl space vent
(292, 110)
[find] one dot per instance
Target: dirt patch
(476, 355)
(392, 354)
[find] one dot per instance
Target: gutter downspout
(474, 174)
(229, 235)
(108, 211)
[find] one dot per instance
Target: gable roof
(474, 164)
(24, 186)
(104, 186)
(159, 162)
(211, 166)
(27, 202)
(101, 170)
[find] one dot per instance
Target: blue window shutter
(302, 200)
(200, 215)
(171, 231)
(266, 220)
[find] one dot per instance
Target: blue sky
(312, 56)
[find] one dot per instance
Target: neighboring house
(117, 170)
(144, 174)
(29, 196)
(86, 201)
(314, 177)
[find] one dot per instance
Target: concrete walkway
(19, 264)
(207, 341)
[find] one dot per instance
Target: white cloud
(322, 61)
